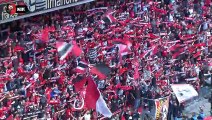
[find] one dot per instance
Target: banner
(26, 8)
(184, 92)
(38, 5)
(161, 108)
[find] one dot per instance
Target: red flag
(64, 49)
(101, 70)
(79, 83)
(81, 67)
(94, 100)
(77, 51)
(108, 19)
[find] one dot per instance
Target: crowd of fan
(36, 84)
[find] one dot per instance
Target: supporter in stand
(168, 42)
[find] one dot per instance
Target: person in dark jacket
(201, 76)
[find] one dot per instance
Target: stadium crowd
(165, 43)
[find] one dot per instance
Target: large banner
(26, 8)
(161, 108)
(184, 92)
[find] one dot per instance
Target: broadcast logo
(14, 8)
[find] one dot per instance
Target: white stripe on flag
(102, 108)
(64, 56)
(109, 17)
(62, 46)
(80, 68)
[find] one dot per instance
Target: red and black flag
(63, 49)
(81, 67)
(108, 19)
(79, 82)
(102, 70)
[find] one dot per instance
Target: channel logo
(11, 9)
(14, 8)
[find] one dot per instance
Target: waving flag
(123, 51)
(63, 49)
(79, 83)
(122, 48)
(200, 45)
(94, 99)
(101, 70)
(123, 42)
(81, 67)
(77, 51)
(108, 19)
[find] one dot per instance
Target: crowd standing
(35, 84)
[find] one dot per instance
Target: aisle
(202, 100)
